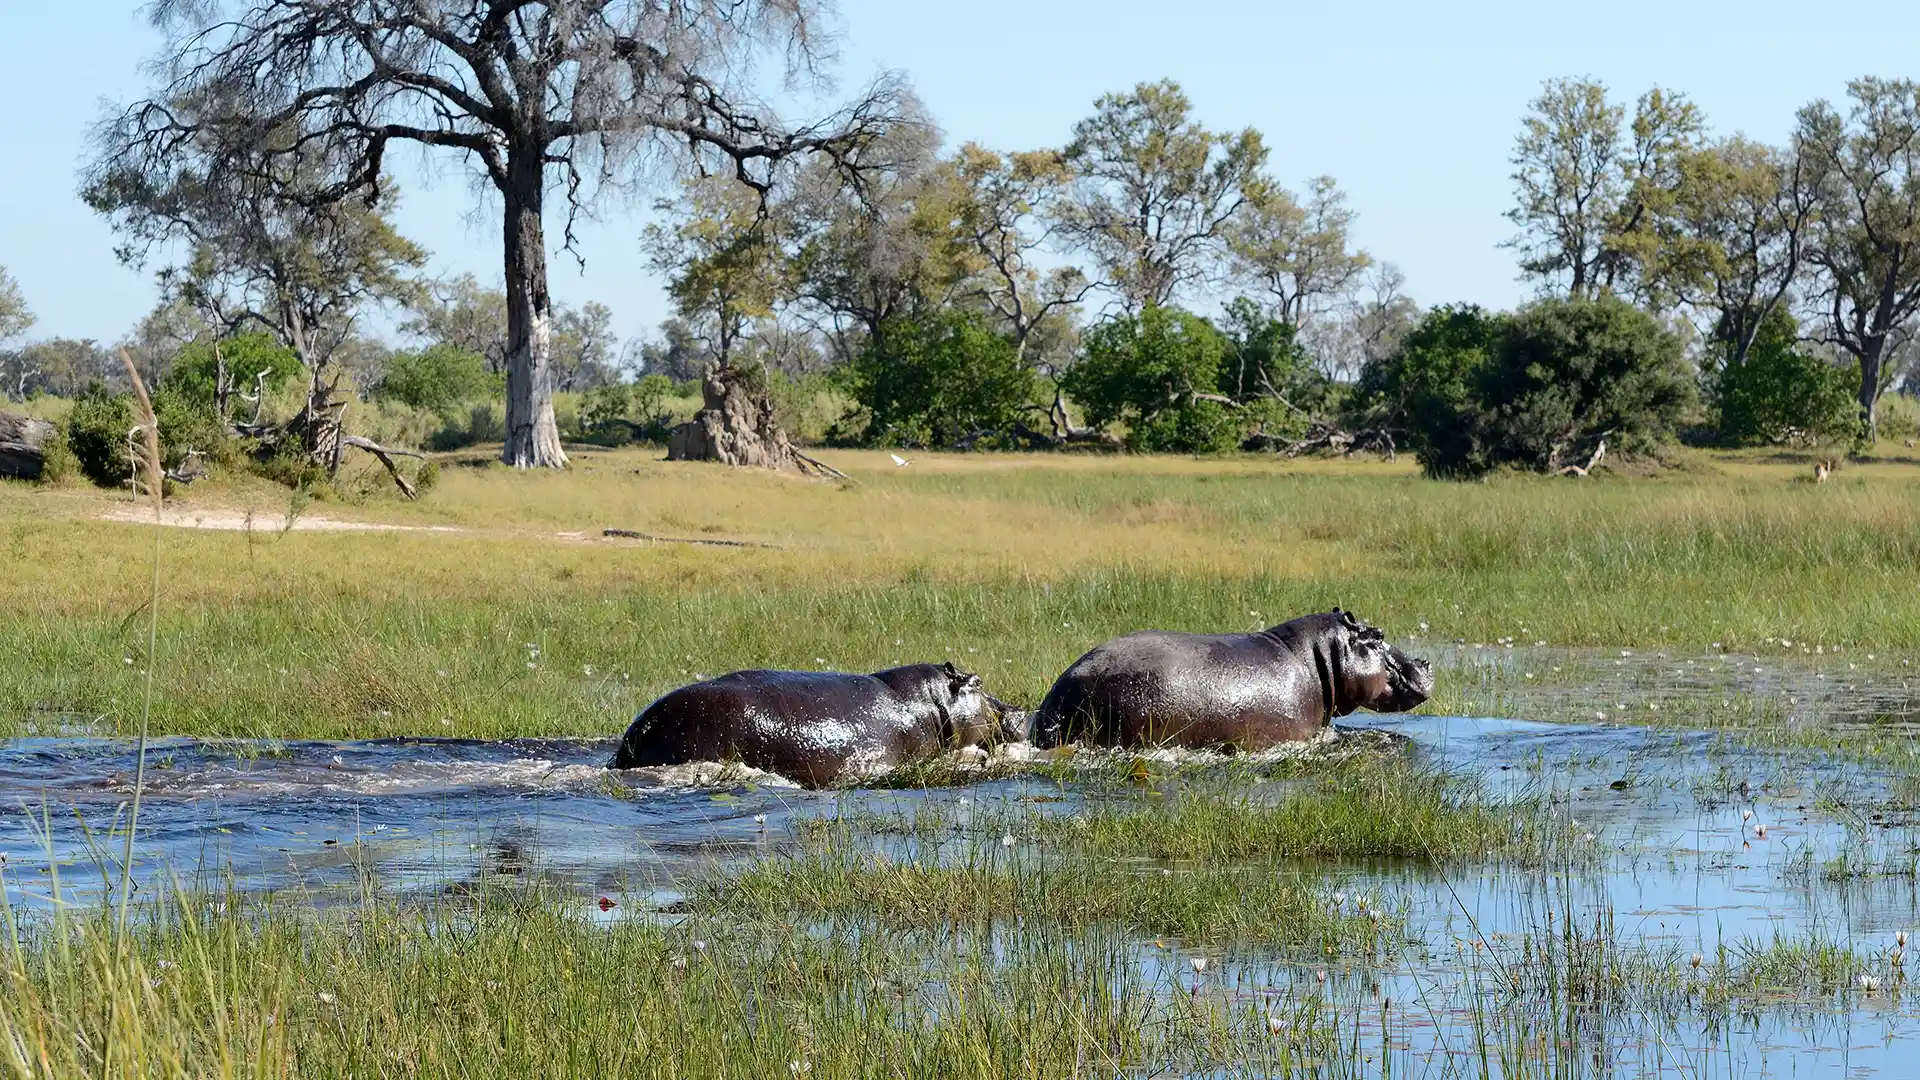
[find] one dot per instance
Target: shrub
(484, 423)
(1779, 392)
(96, 432)
(1473, 391)
(936, 379)
(1426, 390)
(195, 373)
(1147, 371)
(439, 379)
(1568, 373)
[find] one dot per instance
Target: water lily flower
(1746, 815)
(1869, 983)
(607, 904)
(1199, 965)
(1275, 1025)
(1320, 975)
(1900, 938)
(1696, 961)
(1006, 841)
(1760, 832)
(327, 999)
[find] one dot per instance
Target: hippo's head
(1374, 674)
(973, 716)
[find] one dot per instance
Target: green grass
(1008, 565)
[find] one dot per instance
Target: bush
(96, 432)
(1569, 373)
(484, 423)
(1780, 393)
(1537, 390)
(1428, 389)
(1145, 370)
(439, 379)
(195, 373)
(1265, 368)
(934, 380)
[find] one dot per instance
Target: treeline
(1151, 284)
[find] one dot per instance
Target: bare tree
(585, 94)
(266, 248)
(1865, 243)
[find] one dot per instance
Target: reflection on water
(1674, 815)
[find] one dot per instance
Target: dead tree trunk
(736, 425)
(22, 446)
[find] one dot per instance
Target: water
(1679, 864)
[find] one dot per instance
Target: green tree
(1865, 241)
(439, 378)
(1157, 372)
(722, 260)
(1426, 391)
(1154, 191)
(937, 379)
(466, 315)
(1591, 192)
(254, 364)
(1776, 391)
(15, 319)
(1570, 373)
(1297, 253)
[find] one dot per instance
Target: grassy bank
(514, 616)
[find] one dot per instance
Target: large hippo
(815, 727)
(1230, 691)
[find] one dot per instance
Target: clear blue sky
(1412, 105)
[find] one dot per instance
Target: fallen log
(386, 456)
(629, 534)
(23, 446)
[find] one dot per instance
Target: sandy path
(239, 521)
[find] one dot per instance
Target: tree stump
(735, 425)
(22, 446)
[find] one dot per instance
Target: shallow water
(1677, 864)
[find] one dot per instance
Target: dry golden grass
(1010, 564)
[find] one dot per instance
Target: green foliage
(1474, 391)
(1145, 370)
(1265, 368)
(484, 423)
(96, 432)
(188, 425)
(933, 380)
(439, 378)
(196, 371)
(1568, 373)
(1780, 392)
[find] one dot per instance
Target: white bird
(898, 461)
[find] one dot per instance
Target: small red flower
(606, 903)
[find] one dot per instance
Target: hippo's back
(1161, 686)
(801, 724)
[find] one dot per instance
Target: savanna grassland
(503, 611)
(1129, 917)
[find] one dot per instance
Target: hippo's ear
(959, 682)
(947, 666)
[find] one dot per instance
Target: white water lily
(1696, 961)
(1199, 965)
(1869, 983)
(1900, 938)
(1006, 841)
(1275, 1025)
(327, 999)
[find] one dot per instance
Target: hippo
(1230, 691)
(818, 727)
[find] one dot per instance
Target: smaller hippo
(1231, 691)
(818, 727)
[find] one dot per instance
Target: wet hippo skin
(817, 727)
(1230, 691)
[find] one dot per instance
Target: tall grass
(1012, 566)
